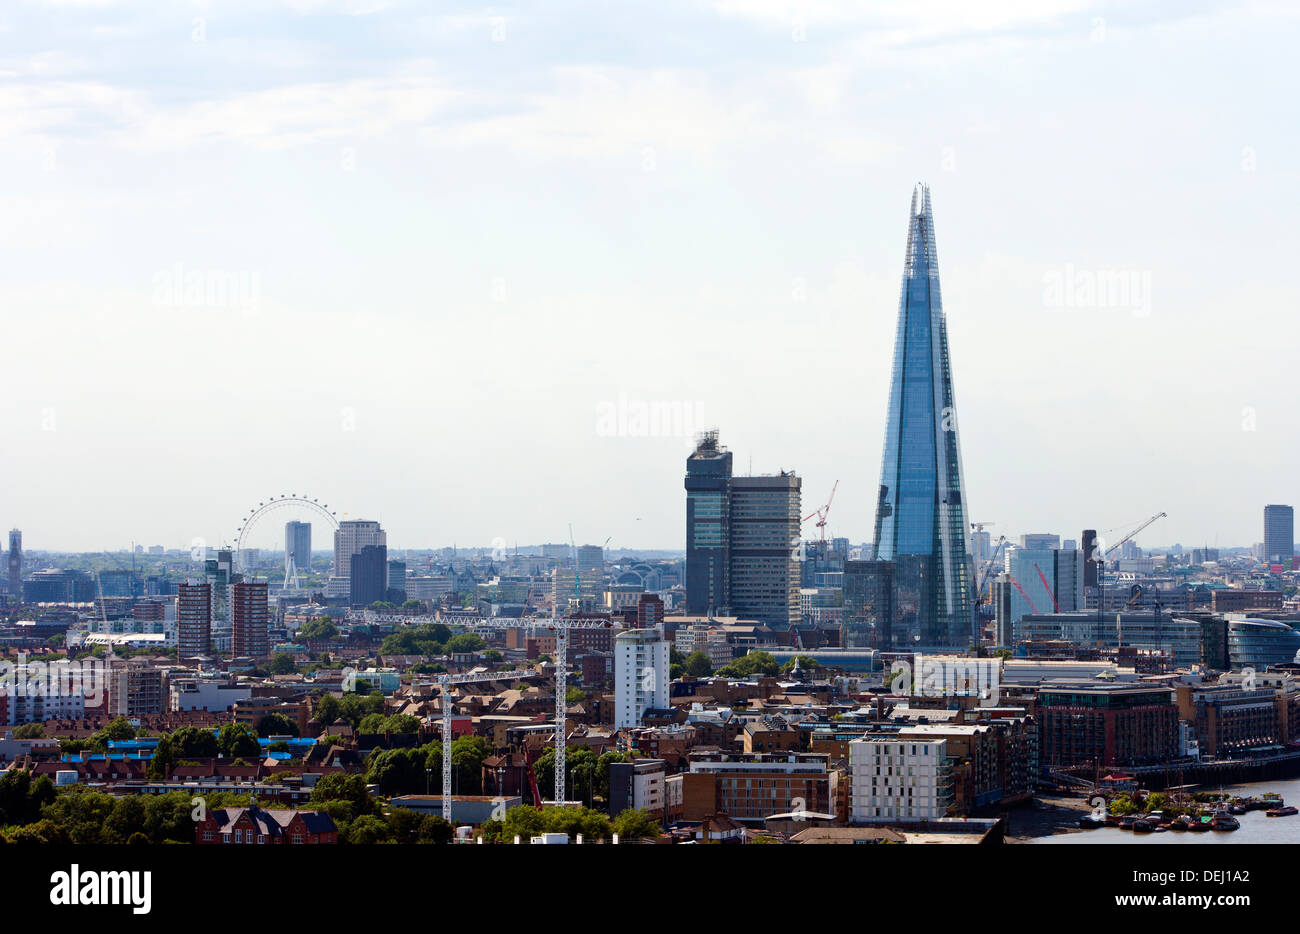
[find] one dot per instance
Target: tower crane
(1043, 577)
(444, 683)
(1131, 535)
(989, 565)
(1101, 562)
(560, 626)
(823, 512)
(1016, 584)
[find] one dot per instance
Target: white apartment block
(640, 675)
(35, 707)
(899, 779)
(206, 694)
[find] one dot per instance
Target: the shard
(921, 520)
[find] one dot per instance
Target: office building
(866, 621)
(640, 675)
(1240, 601)
(1230, 718)
(591, 558)
(921, 511)
(764, 536)
(193, 619)
(708, 511)
(349, 538)
(368, 575)
(396, 581)
(1049, 579)
(1106, 724)
(297, 544)
(755, 787)
(1177, 639)
(1279, 534)
(742, 539)
(56, 586)
(250, 620)
(581, 590)
(1259, 643)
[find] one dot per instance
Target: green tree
(405, 771)
(190, 742)
(697, 665)
(42, 832)
(125, 820)
(467, 755)
(635, 824)
(22, 797)
(755, 663)
(368, 829)
(30, 731)
(84, 813)
(350, 789)
(283, 664)
(164, 757)
(276, 724)
(116, 731)
(322, 627)
(465, 642)
(327, 709)
(236, 739)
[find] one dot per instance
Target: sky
(438, 264)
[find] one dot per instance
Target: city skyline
(462, 425)
(661, 280)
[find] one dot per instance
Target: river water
(1256, 827)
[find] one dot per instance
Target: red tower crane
(823, 512)
(1016, 584)
(1043, 577)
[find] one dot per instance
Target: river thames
(1256, 827)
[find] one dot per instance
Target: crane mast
(560, 626)
(444, 683)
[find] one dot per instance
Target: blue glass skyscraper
(921, 521)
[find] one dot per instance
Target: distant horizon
(449, 264)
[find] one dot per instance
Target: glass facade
(868, 604)
(708, 508)
(921, 514)
(1258, 643)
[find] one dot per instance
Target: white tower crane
(560, 626)
(444, 683)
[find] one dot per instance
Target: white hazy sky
(438, 238)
